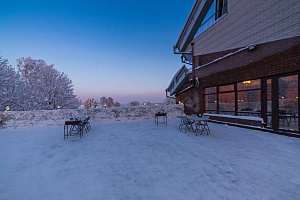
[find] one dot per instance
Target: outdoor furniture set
(194, 123)
(76, 126)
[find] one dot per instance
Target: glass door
(288, 103)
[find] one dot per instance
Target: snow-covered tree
(9, 86)
(90, 103)
(46, 87)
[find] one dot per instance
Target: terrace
(138, 160)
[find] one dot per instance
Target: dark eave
(194, 21)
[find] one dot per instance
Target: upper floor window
(221, 8)
(217, 9)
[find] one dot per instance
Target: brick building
(244, 59)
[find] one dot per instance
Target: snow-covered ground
(138, 160)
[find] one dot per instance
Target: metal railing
(206, 24)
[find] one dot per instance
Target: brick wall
(268, 59)
(238, 121)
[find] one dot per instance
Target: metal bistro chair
(202, 125)
(187, 125)
(86, 124)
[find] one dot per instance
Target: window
(221, 8)
(242, 98)
(226, 102)
(249, 101)
(210, 90)
(211, 102)
(249, 85)
(226, 88)
(211, 99)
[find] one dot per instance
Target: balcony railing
(206, 24)
(211, 20)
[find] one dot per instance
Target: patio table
(75, 125)
(200, 124)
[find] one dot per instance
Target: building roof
(196, 17)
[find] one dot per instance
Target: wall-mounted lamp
(7, 108)
(58, 107)
(246, 82)
(105, 105)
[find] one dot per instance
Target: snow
(237, 117)
(138, 160)
(18, 119)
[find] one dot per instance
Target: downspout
(193, 64)
(178, 52)
(184, 61)
(169, 96)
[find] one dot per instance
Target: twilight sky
(116, 48)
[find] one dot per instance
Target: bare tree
(110, 102)
(134, 103)
(117, 104)
(103, 101)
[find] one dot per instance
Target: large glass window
(226, 88)
(249, 85)
(276, 101)
(288, 102)
(249, 103)
(210, 90)
(222, 98)
(226, 101)
(211, 102)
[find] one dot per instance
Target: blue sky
(121, 49)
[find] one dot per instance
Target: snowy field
(138, 160)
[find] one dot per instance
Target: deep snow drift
(138, 160)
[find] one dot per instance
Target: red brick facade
(265, 60)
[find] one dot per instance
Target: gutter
(169, 96)
(187, 88)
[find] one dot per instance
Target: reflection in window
(210, 90)
(248, 85)
(221, 8)
(249, 101)
(226, 88)
(211, 102)
(226, 102)
(288, 102)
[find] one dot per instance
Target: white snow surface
(138, 160)
(237, 117)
